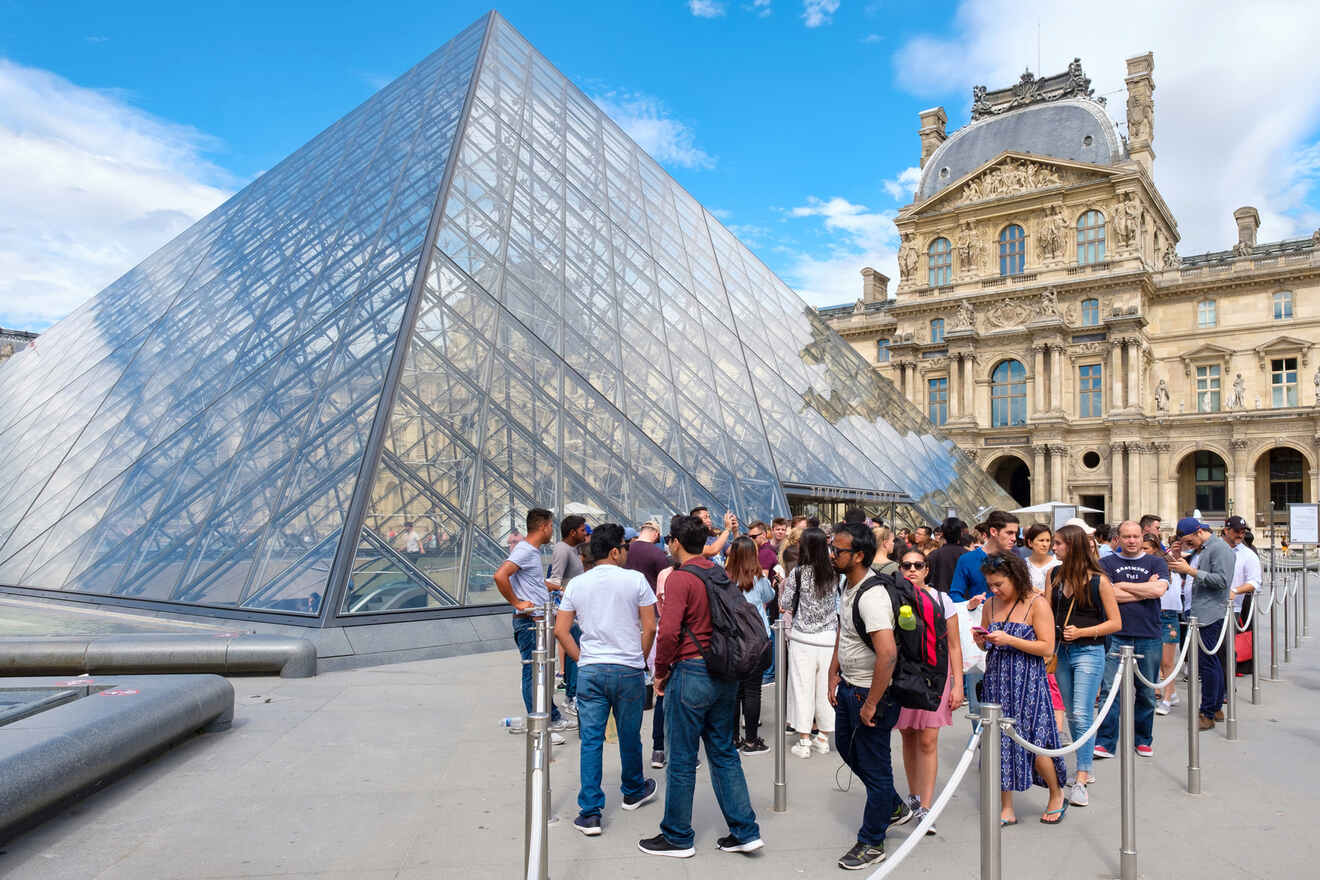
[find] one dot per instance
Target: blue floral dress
(1016, 680)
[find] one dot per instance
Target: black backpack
(739, 647)
(923, 651)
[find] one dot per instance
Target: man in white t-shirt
(860, 673)
(615, 609)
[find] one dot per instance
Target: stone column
(1038, 382)
(1039, 484)
(969, 386)
(1239, 476)
(1057, 361)
(1116, 375)
(955, 386)
(1058, 470)
(1118, 483)
(1136, 479)
(1166, 484)
(1133, 398)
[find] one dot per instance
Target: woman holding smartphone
(1018, 637)
(1085, 612)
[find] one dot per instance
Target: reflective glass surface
(585, 337)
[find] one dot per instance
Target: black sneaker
(729, 843)
(901, 816)
(588, 825)
(658, 846)
(647, 795)
(738, 743)
(755, 747)
(862, 855)
(658, 759)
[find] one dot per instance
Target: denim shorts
(1169, 627)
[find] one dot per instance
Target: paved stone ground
(400, 772)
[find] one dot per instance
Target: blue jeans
(571, 666)
(1213, 683)
(1079, 672)
(866, 751)
(524, 636)
(1150, 651)
(700, 709)
(603, 687)
(971, 678)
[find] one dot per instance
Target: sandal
(1004, 823)
(1061, 812)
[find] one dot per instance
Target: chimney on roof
(931, 131)
(875, 287)
(1248, 221)
(1141, 110)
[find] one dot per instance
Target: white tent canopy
(1048, 507)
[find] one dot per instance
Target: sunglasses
(996, 562)
(911, 566)
(755, 534)
(834, 551)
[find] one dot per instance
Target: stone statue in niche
(965, 317)
(1317, 386)
(907, 258)
(970, 250)
(1171, 258)
(1127, 221)
(1138, 118)
(1053, 234)
(1049, 304)
(1162, 397)
(1239, 398)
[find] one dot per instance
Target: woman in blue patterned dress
(1017, 639)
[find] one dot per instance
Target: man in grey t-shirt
(566, 564)
(1210, 578)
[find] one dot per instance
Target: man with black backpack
(710, 638)
(860, 674)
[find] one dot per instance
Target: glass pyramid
(472, 295)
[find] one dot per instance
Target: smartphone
(979, 630)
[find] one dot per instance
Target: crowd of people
(1029, 620)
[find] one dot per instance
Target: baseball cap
(1236, 523)
(1081, 524)
(1189, 525)
(629, 533)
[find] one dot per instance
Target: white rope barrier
(1159, 685)
(1010, 727)
(913, 839)
(1223, 631)
(1263, 610)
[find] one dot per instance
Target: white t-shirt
(1172, 600)
(1246, 570)
(606, 600)
(946, 603)
(1039, 574)
(856, 658)
(411, 542)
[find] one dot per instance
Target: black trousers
(749, 702)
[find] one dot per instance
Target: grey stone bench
(125, 653)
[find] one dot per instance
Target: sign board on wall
(1304, 523)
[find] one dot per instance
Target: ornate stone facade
(1114, 372)
(14, 341)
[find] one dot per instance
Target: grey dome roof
(1059, 129)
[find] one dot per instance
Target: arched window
(1012, 250)
(941, 262)
(1008, 395)
(1283, 305)
(1090, 312)
(1090, 238)
(1211, 483)
(937, 330)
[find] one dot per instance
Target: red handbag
(1242, 646)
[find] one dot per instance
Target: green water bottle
(906, 620)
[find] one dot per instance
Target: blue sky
(795, 121)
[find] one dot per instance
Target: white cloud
(647, 121)
(871, 39)
(706, 8)
(903, 187)
(1236, 111)
(762, 8)
(859, 237)
(818, 12)
(92, 185)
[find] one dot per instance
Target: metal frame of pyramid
(472, 295)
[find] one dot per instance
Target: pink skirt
(1055, 696)
(920, 719)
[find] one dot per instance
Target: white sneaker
(1078, 797)
(557, 740)
(570, 706)
(802, 748)
(821, 743)
(1175, 699)
(1162, 707)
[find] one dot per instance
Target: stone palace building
(1045, 318)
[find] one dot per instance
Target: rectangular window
(1283, 305)
(937, 400)
(1090, 395)
(1207, 388)
(1205, 313)
(937, 330)
(1090, 312)
(882, 351)
(1283, 381)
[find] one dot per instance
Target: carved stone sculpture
(907, 258)
(1171, 258)
(1315, 237)
(1053, 234)
(1127, 221)
(1239, 398)
(965, 317)
(970, 250)
(1162, 397)
(1049, 304)
(1004, 313)
(1138, 118)
(1008, 179)
(1242, 249)
(1317, 386)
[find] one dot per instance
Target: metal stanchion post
(1287, 622)
(992, 858)
(781, 715)
(1193, 710)
(1274, 606)
(1296, 612)
(538, 736)
(1230, 672)
(1127, 765)
(1306, 621)
(548, 678)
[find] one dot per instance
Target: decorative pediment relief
(1014, 177)
(1206, 353)
(1283, 345)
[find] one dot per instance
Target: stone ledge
(219, 653)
